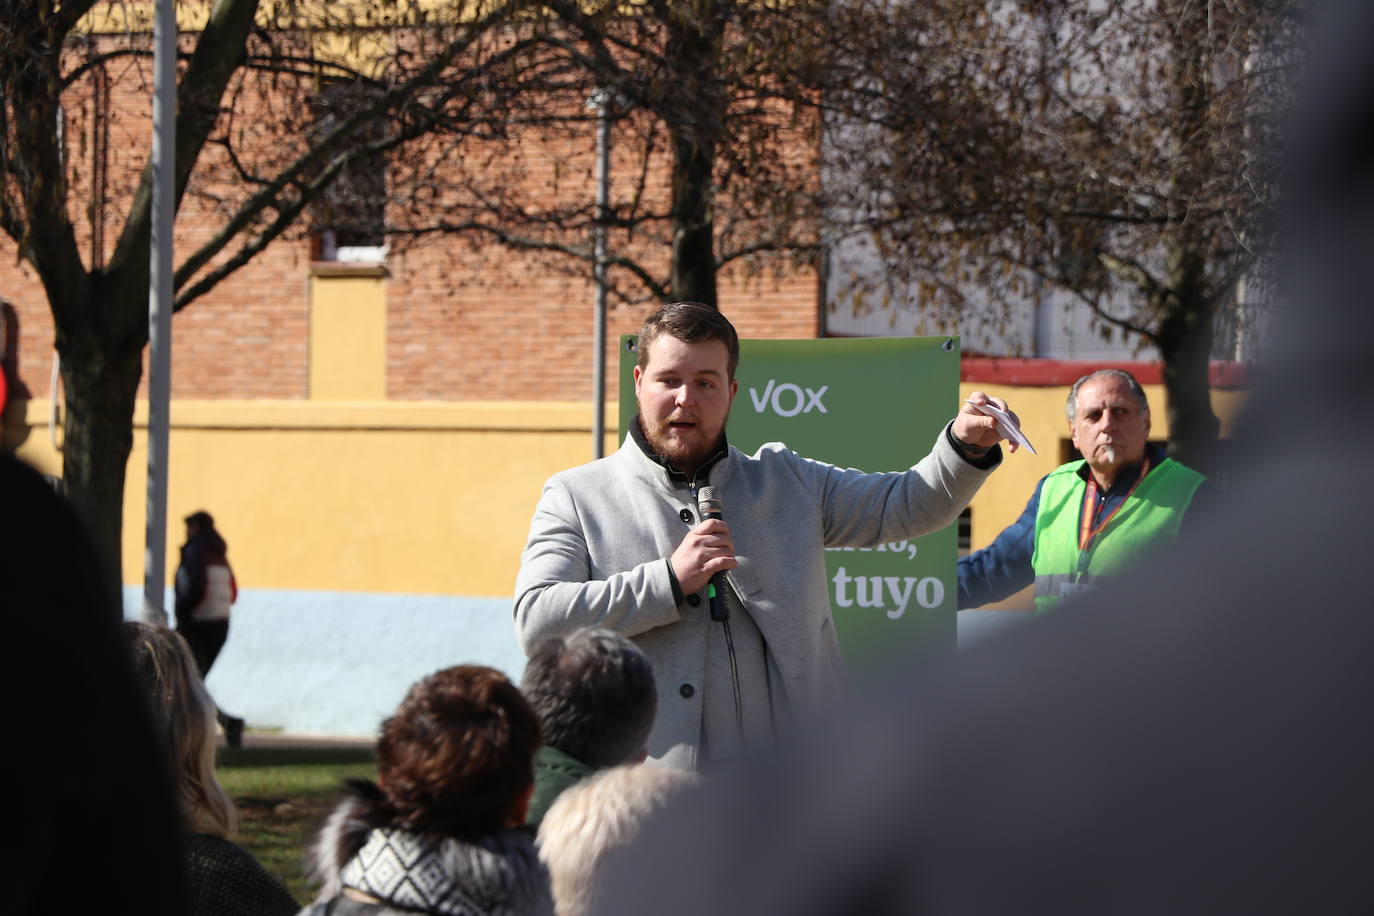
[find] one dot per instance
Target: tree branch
(527, 243)
(1132, 272)
(286, 215)
(325, 151)
(70, 13)
(769, 247)
(34, 165)
(72, 78)
(217, 55)
(1095, 306)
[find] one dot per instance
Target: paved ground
(277, 739)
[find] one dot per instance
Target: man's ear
(639, 374)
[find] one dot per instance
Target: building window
(350, 215)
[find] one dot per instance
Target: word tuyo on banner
(872, 592)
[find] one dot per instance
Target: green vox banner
(875, 404)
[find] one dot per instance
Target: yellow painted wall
(431, 498)
(348, 335)
(1041, 410)
(376, 497)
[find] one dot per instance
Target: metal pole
(160, 309)
(602, 100)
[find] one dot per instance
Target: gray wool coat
(602, 532)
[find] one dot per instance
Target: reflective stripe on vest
(1148, 518)
(1054, 583)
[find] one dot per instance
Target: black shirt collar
(677, 476)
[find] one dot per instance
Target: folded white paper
(1005, 425)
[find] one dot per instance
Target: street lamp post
(602, 101)
(160, 309)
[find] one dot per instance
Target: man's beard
(1107, 455)
(682, 455)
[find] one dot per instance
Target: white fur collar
(499, 875)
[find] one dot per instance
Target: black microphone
(709, 506)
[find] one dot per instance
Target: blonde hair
(602, 813)
(184, 715)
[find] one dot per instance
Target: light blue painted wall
(339, 662)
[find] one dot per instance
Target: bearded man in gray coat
(620, 543)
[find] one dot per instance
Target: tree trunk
(698, 111)
(101, 384)
(1184, 333)
(1185, 342)
(694, 232)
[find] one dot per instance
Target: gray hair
(601, 814)
(1071, 407)
(594, 694)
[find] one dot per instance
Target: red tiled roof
(1053, 372)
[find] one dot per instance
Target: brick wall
(246, 339)
(522, 329)
(464, 321)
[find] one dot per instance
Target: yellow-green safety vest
(1149, 517)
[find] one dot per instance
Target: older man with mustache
(1092, 517)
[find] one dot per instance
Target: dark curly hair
(458, 753)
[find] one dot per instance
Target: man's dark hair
(458, 753)
(594, 694)
(201, 519)
(689, 322)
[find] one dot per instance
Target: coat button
(694, 600)
(686, 690)
(685, 515)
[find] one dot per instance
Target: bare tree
(716, 159)
(254, 153)
(1122, 150)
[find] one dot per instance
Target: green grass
(283, 795)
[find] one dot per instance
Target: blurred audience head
(457, 757)
(184, 716)
(594, 694)
(96, 820)
(593, 820)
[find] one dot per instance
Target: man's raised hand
(976, 429)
